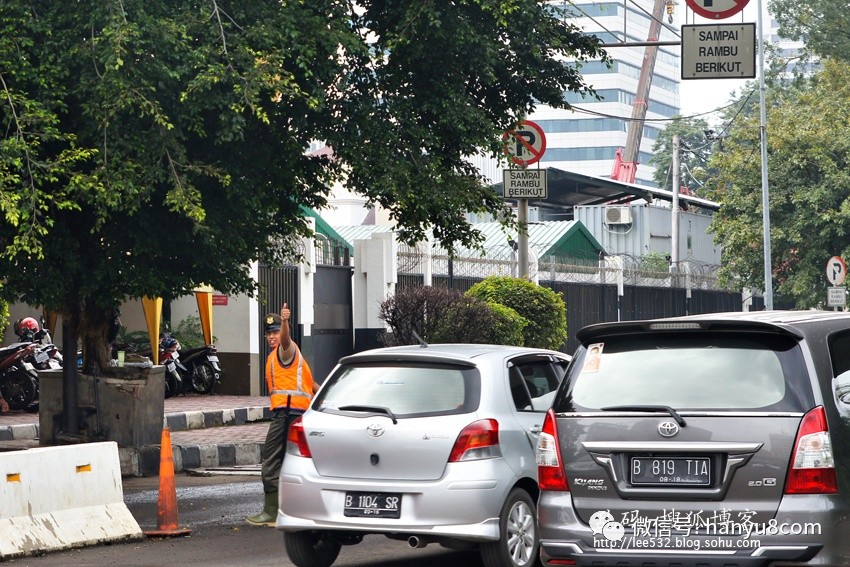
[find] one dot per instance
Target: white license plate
(41, 356)
(671, 471)
(170, 366)
(28, 366)
(213, 358)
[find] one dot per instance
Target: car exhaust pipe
(417, 542)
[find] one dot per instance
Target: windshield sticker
(593, 358)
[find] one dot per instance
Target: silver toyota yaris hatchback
(713, 441)
(431, 444)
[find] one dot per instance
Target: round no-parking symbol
(526, 144)
(716, 9)
(836, 270)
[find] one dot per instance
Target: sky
(703, 95)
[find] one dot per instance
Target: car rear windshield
(708, 371)
(405, 389)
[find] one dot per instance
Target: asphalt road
(214, 509)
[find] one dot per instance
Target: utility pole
(765, 193)
(674, 231)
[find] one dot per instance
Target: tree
(152, 146)
(809, 184)
(823, 24)
(693, 157)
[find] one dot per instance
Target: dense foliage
(694, 149)
(543, 308)
(809, 186)
(149, 147)
(824, 25)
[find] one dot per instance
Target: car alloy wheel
(518, 545)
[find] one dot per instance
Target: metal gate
(333, 327)
(277, 285)
(332, 333)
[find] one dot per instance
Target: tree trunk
(93, 330)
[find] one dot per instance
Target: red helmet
(26, 326)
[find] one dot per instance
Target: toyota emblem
(668, 428)
(375, 430)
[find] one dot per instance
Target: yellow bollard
(203, 295)
(153, 315)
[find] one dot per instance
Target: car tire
(518, 544)
(311, 548)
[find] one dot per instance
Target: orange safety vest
(293, 382)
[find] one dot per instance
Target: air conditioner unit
(618, 215)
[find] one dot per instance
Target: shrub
(441, 315)
(470, 320)
(415, 309)
(189, 333)
(654, 262)
(542, 308)
(508, 325)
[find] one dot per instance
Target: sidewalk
(206, 431)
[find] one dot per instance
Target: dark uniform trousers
(274, 449)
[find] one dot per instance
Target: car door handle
(536, 429)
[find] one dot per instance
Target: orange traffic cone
(167, 511)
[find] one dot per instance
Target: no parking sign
(716, 9)
(526, 144)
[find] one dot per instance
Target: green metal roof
(566, 239)
(322, 227)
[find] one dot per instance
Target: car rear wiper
(376, 409)
(668, 409)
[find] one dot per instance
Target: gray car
(713, 440)
(430, 444)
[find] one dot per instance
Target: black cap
(272, 322)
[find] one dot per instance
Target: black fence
(588, 304)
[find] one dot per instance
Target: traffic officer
(291, 388)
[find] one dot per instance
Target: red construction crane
(625, 160)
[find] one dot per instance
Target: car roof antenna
(422, 342)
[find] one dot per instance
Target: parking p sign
(836, 270)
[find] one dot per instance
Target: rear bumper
(463, 504)
(580, 554)
(565, 537)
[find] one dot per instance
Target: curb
(145, 461)
(179, 421)
(18, 432)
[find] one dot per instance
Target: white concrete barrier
(54, 498)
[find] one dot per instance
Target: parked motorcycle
(18, 378)
(45, 355)
(202, 369)
(169, 356)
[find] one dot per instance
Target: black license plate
(671, 471)
(372, 505)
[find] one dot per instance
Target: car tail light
(296, 440)
(812, 468)
(478, 440)
(550, 473)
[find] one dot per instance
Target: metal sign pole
(765, 195)
(522, 237)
